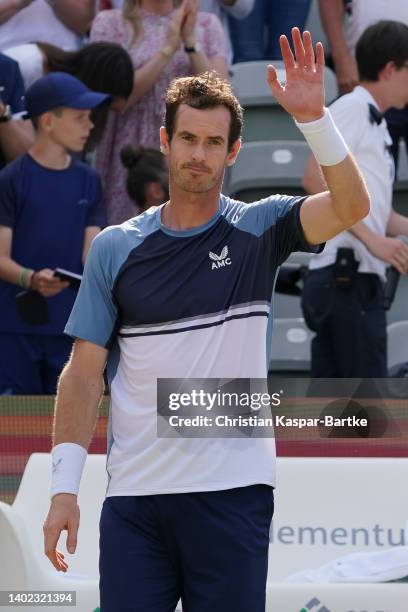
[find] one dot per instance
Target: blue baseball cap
(60, 89)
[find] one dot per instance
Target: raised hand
(173, 34)
(302, 95)
(189, 24)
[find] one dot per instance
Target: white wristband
(325, 140)
(68, 460)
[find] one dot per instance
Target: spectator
(156, 37)
(16, 136)
(102, 66)
(343, 296)
(236, 9)
(62, 23)
(147, 181)
(362, 13)
(257, 36)
(50, 210)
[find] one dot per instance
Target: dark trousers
(208, 548)
(277, 17)
(350, 325)
(30, 364)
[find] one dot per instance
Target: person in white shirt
(343, 298)
(62, 23)
(344, 22)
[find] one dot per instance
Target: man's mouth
(196, 168)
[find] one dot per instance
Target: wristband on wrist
(68, 460)
(22, 279)
(324, 139)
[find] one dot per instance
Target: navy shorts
(209, 548)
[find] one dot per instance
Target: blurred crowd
(128, 51)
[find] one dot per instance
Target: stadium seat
(327, 508)
(310, 495)
(264, 167)
(290, 347)
(397, 334)
(265, 119)
(24, 565)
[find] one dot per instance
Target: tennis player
(184, 291)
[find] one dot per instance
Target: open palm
(303, 93)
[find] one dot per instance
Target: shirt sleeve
(277, 220)
(94, 315)
(8, 199)
(289, 234)
(97, 212)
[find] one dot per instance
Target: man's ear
(233, 153)
(164, 141)
(46, 121)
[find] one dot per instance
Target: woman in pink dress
(164, 43)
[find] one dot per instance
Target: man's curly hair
(207, 90)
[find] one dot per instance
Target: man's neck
(186, 210)
(49, 154)
(379, 93)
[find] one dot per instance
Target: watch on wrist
(195, 48)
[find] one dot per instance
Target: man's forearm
(348, 191)
(76, 407)
(332, 17)
(397, 225)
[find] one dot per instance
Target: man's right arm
(389, 249)
(332, 17)
(79, 394)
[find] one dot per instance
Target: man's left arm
(76, 15)
(347, 201)
(397, 225)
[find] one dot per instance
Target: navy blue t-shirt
(12, 90)
(48, 211)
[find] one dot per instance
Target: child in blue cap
(50, 210)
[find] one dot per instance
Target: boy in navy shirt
(50, 210)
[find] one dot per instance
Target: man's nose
(198, 153)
